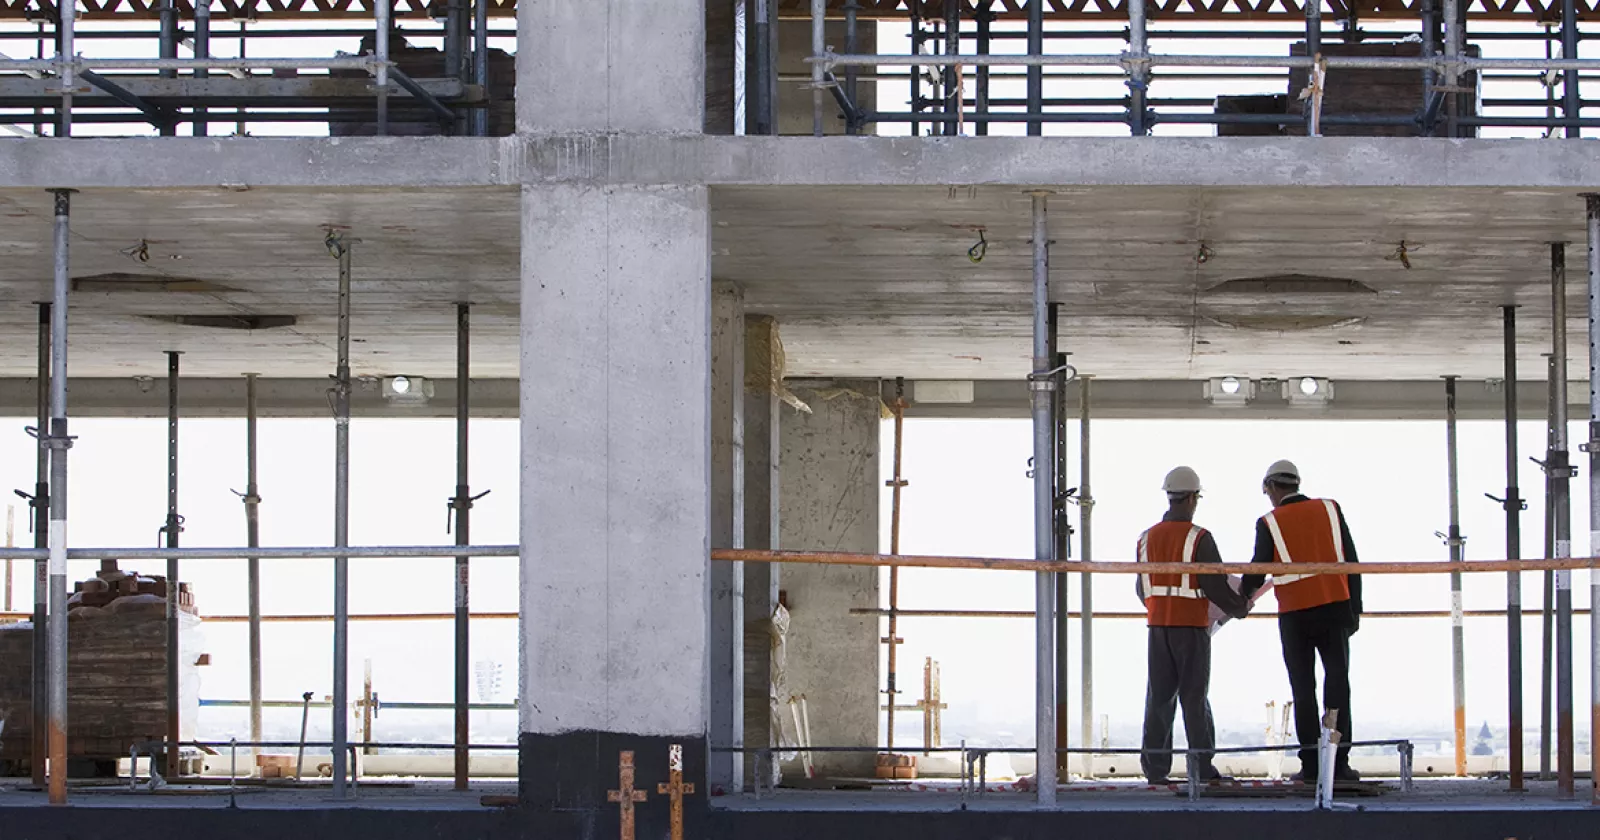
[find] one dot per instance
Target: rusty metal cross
(626, 795)
(676, 788)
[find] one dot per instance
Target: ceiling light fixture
(1230, 391)
(408, 390)
(1308, 391)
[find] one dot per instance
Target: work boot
(1346, 774)
(1159, 781)
(1303, 778)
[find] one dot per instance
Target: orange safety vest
(1307, 532)
(1172, 600)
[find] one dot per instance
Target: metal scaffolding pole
(480, 64)
(1571, 105)
(1592, 446)
(1458, 661)
(896, 484)
(1561, 501)
(168, 48)
(66, 49)
(1139, 73)
(40, 508)
(59, 442)
(1062, 533)
(341, 528)
(252, 537)
(172, 530)
(1041, 382)
(1514, 506)
(461, 507)
(1036, 85)
(1086, 555)
(952, 72)
(202, 49)
(984, 15)
(852, 74)
(1547, 655)
(380, 12)
(819, 45)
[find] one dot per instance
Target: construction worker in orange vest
(1317, 614)
(1177, 609)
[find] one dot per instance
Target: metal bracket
(247, 498)
(1045, 380)
(1521, 504)
(49, 441)
(1589, 447)
(1453, 543)
(456, 503)
(1553, 472)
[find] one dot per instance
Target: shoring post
(1138, 69)
(380, 14)
(172, 529)
(1062, 534)
(1561, 501)
(202, 49)
(461, 509)
(1314, 52)
(1458, 662)
(252, 535)
(1041, 383)
(896, 484)
(852, 9)
(66, 53)
(59, 443)
(819, 45)
(1452, 53)
(954, 99)
(984, 16)
(341, 524)
(1592, 446)
(1547, 646)
(40, 508)
(168, 44)
(1514, 506)
(1571, 104)
(1086, 586)
(1036, 76)
(480, 65)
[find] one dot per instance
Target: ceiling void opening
(1291, 284)
(121, 281)
(228, 322)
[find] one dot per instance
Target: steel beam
(461, 507)
(1561, 503)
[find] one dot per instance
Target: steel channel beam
(59, 443)
(1513, 505)
(1458, 661)
(173, 529)
(1042, 383)
(341, 531)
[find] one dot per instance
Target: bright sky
(969, 496)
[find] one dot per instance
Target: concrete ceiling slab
(866, 281)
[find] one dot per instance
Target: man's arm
(1215, 586)
(1350, 557)
(1263, 554)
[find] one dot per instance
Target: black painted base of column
(573, 772)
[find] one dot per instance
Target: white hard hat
(1283, 469)
(1182, 480)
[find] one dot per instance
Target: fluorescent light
(1230, 391)
(1308, 391)
(407, 390)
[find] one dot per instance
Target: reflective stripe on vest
(1187, 589)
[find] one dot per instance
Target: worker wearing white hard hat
(1317, 614)
(1177, 610)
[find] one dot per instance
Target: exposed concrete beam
(497, 398)
(660, 159)
(1180, 399)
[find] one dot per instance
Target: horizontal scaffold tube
(1012, 564)
(381, 552)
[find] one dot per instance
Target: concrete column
(829, 485)
(794, 100)
(762, 362)
(727, 531)
(615, 399)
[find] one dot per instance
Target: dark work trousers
(1180, 673)
(1307, 635)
